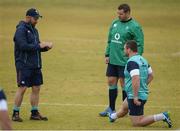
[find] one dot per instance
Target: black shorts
(135, 110)
(2, 95)
(115, 70)
(29, 77)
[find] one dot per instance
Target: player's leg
(17, 103)
(138, 118)
(124, 96)
(120, 113)
(23, 83)
(113, 92)
(37, 81)
(34, 100)
(5, 122)
(34, 97)
(112, 76)
(142, 120)
(147, 120)
(121, 81)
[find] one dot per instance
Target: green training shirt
(119, 33)
(137, 65)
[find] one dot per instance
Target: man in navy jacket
(27, 52)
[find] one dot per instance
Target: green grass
(74, 71)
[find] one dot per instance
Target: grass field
(75, 88)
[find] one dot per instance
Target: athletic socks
(15, 110)
(34, 110)
(159, 117)
(113, 92)
(114, 116)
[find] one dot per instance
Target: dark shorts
(124, 95)
(2, 95)
(115, 70)
(29, 77)
(135, 110)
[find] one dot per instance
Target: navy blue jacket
(27, 50)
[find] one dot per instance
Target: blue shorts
(135, 110)
(2, 95)
(29, 77)
(115, 70)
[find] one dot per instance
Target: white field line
(91, 105)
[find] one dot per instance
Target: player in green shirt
(138, 74)
(122, 29)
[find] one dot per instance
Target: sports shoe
(38, 116)
(16, 117)
(111, 119)
(105, 113)
(167, 119)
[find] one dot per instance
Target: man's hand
(136, 101)
(107, 60)
(50, 45)
(47, 45)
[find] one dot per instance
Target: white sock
(159, 117)
(114, 116)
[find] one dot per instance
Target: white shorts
(3, 105)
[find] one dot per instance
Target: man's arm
(135, 85)
(21, 41)
(150, 75)
(38, 39)
(108, 47)
(139, 38)
(108, 43)
(20, 38)
(133, 69)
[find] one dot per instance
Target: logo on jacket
(22, 82)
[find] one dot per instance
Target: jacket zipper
(25, 60)
(37, 43)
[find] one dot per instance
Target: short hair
(131, 44)
(124, 7)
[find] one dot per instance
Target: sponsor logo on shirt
(117, 37)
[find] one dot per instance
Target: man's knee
(136, 124)
(112, 81)
(122, 112)
(35, 89)
(22, 90)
